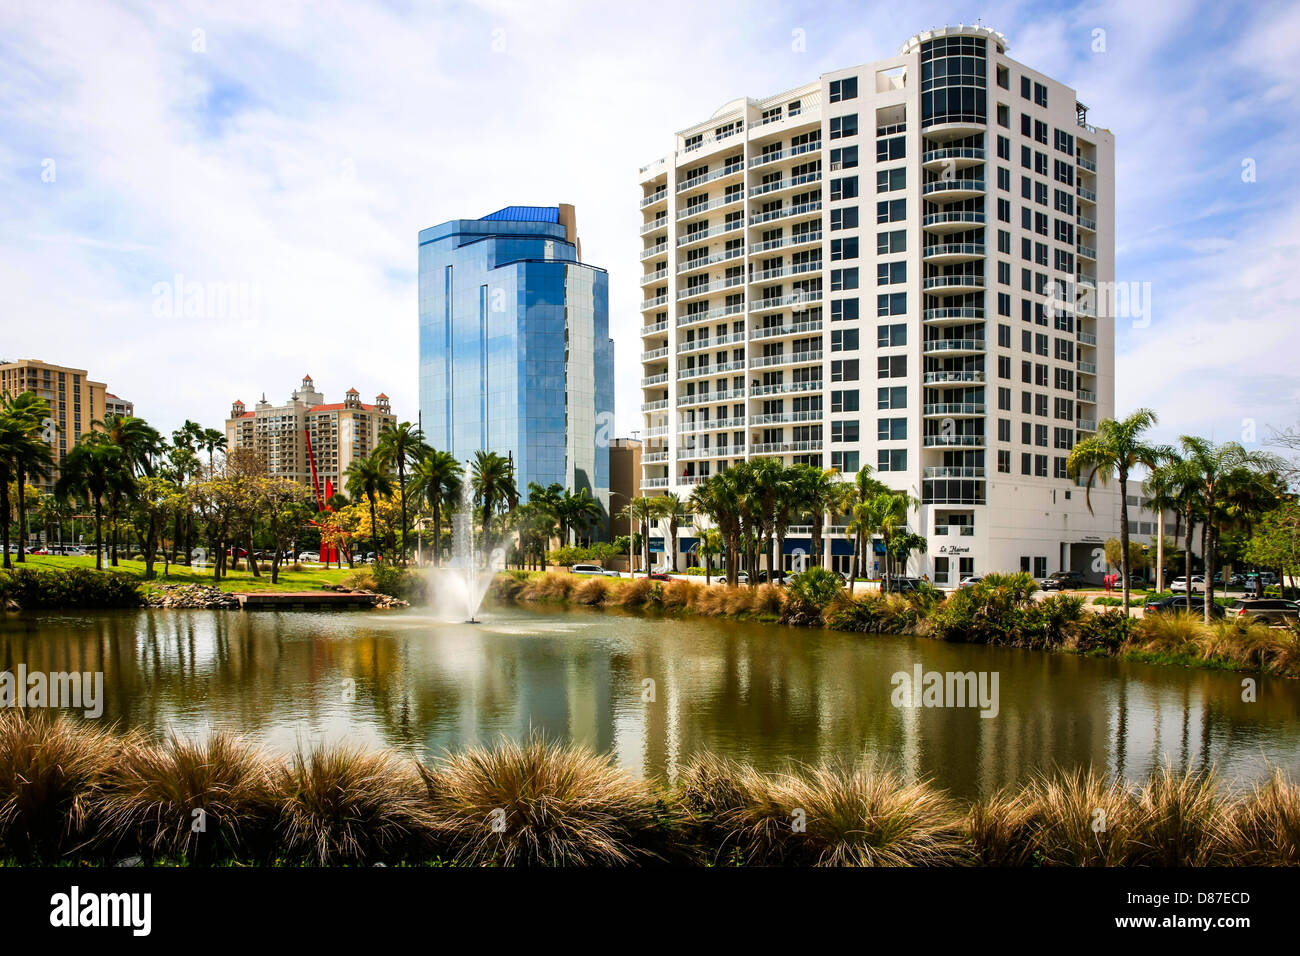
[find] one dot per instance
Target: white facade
(877, 269)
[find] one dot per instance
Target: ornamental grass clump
(540, 803)
(1263, 827)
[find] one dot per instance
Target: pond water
(764, 694)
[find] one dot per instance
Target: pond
(654, 691)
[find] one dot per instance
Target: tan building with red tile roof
(339, 432)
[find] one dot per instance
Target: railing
(797, 268)
(953, 185)
(656, 327)
(961, 441)
(706, 287)
(1087, 194)
(658, 274)
(954, 282)
(786, 153)
(654, 406)
(1086, 222)
(654, 482)
(708, 343)
(710, 314)
(784, 447)
(1087, 338)
(790, 358)
(654, 354)
(1087, 424)
(710, 177)
(946, 471)
(701, 234)
(655, 302)
(654, 198)
(952, 152)
(958, 218)
(708, 398)
(799, 240)
(972, 312)
(953, 345)
(953, 376)
(652, 457)
(690, 265)
(795, 329)
(954, 249)
(652, 380)
(1086, 395)
(955, 408)
(782, 184)
(1088, 368)
(649, 227)
(700, 209)
(703, 371)
(787, 213)
(785, 388)
(653, 251)
(781, 301)
(1087, 251)
(787, 417)
(1087, 164)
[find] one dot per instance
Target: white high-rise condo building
(906, 265)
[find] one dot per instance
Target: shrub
(49, 770)
(507, 587)
(70, 589)
(1106, 630)
(864, 815)
(1263, 828)
(591, 592)
(808, 594)
(552, 586)
(638, 592)
(680, 595)
(542, 804)
(343, 805)
(767, 599)
(151, 794)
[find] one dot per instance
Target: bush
(571, 554)
(808, 595)
(591, 592)
(70, 589)
(1105, 630)
(873, 613)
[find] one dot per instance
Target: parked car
(613, 574)
(309, 557)
(970, 580)
(658, 576)
(742, 577)
(762, 576)
(1061, 580)
(1179, 585)
(901, 585)
(587, 569)
(1264, 610)
(1178, 605)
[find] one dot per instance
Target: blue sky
(281, 158)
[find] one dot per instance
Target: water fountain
(457, 589)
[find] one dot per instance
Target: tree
(1174, 485)
(676, 512)
(818, 488)
(716, 498)
(88, 472)
(577, 512)
(26, 453)
(369, 477)
(493, 482)
(1228, 476)
(436, 481)
(156, 499)
(1275, 541)
(768, 478)
(1116, 449)
(711, 543)
(644, 510)
(212, 440)
(403, 444)
(287, 506)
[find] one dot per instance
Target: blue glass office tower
(515, 353)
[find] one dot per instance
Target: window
(894, 397)
(893, 459)
(844, 310)
(845, 89)
(891, 303)
(1025, 87)
(1004, 116)
(845, 401)
(889, 366)
(1004, 461)
(893, 241)
(844, 431)
(891, 210)
(844, 279)
(1004, 399)
(890, 273)
(891, 429)
(846, 462)
(888, 180)
(888, 336)
(1040, 94)
(1004, 429)
(844, 370)
(844, 340)
(844, 249)
(844, 157)
(845, 217)
(1004, 336)
(1004, 148)
(844, 188)
(893, 148)
(842, 126)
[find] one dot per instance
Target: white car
(1180, 585)
(309, 557)
(587, 569)
(970, 580)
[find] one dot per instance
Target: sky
(281, 158)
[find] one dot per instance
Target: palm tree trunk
(22, 518)
(437, 533)
(4, 513)
(401, 487)
(374, 527)
(1123, 536)
(1187, 560)
(99, 536)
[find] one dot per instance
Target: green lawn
(309, 579)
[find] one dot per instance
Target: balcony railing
(650, 200)
(690, 265)
(717, 341)
(655, 327)
(710, 177)
(649, 227)
(785, 388)
(1088, 368)
(953, 185)
(955, 408)
(781, 301)
(655, 302)
(783, 184)
(953, 376)
(956, 441)
(655, 405)
(937, 315)
(703, 371)
(789, 212)
(653, 354)
(953, 345)
(702, 234)
(945, 471)
(797, 240)
(1086, 395)
(650, 381)
(653, 276)
(954, 282)
(1087, 424)
(1087, 164)
(657, 249)
(954, 249)
(699, 209)
(708, 398)
(710, 314)
(796, 329)
(786, 358)
(784, 447)
(953, 219)
(794, 269)
(704, 288)
(786, 153)
(1087, 194)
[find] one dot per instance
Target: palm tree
(643, 510)
(213, 440)
(722, 499)
(768, 481)
(886, 513)
(140, 444)
(403, 444)
(1225, 474)
(577, 512)
(89, 471)
(677, 513)
(1116, 449)
(436, 480)
(711, 543)
(1174, 485)
(29, 455)
(494, 486)
(369, 476)
(817, 490)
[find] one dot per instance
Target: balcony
(1086, 194)
(699, 209)
(782, 301)
(1086, 395)
(701, 235)
(1086, 223)
(954, 410)
(954, 441)
(786, 358)
(1087, 164)
(786, 388)
(654, 457)
(703, 371)
(655, 302)
(653, 198)
(953, 346)
(781, 185)
(711, 314)
(784, 447)
(657, 249)
(958, 283)
(953, 377)
(654, 406)
(718, 424)
(798, 268)
(709, 398)
(944, 222)
(788, 153)
(953, 316)
(655, 226)
(950, 190)
(1088, 368)
(789, 212)
(798, 328)
(783, 418)
(655, 328)
(703, 262)
(655, 276)
(1086, 338)
(1087, 424)
(801, 239)
(704, 288)
(952, 157)
(654, 482)
(714, 176)
(1087, 252)
(653, 354)
(943, 471)
(650, 381)
(699, 345)
(950, 252)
